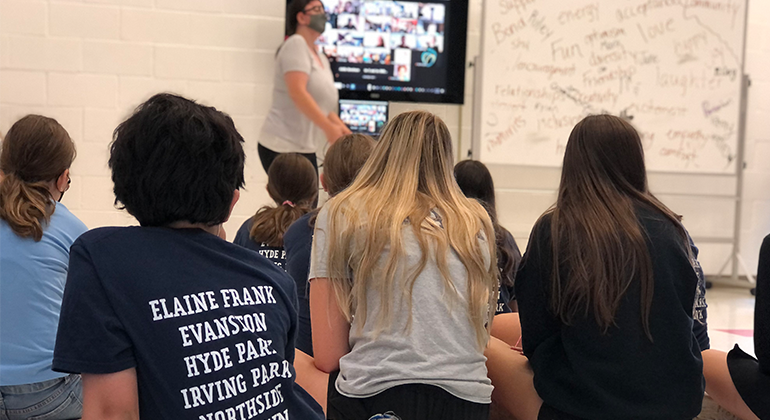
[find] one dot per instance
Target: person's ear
(236, 196)
(63, 181)
(323, 183)
(303, 19)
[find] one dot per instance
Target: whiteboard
(673, 67)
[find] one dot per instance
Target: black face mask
(69, 181)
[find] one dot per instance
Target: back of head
(594, 223)
(293, 184)
(604, 154)
(413, 155)
(475, 181)
(175, 160)
(344, 159)
(35, 151)
(408, 175)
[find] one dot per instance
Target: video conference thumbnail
(365, 117)
(383, 33)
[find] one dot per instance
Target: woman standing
(304, 110)
(36, 232)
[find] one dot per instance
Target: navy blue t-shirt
(208, 325)
(298, 241)
(507, 293)
(276, 254)
(700, 312)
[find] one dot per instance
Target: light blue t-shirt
(32, 277)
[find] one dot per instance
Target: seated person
(343, 161)
(476, 182)
(606, 294)
(168, 320)
(750, 375)
(735, 380)
(36, 232)
(292, 183)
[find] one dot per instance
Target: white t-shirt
(287, 129)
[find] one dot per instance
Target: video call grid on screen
(364, 117)
(391, 49)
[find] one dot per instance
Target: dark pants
(267, 156)
(404, 402)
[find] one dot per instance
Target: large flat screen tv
(397, 50)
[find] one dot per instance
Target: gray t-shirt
(440, 348)
(286, 128)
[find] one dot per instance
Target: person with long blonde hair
(403, 282)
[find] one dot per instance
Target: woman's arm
(330, 328)
(336, 119)
(111, 396)
(296, 83)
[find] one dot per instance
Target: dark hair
(292, 10)
(476, 182)
(292, 178)
(36, 151)
(175, 160)
(342, 162)
(594, 228)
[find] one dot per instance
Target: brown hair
(292, 10)
(36, 150)
(344, 159)
(293, 184)
(342, 162)
(476, 182)
(596, 236)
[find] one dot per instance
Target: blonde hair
(408, 175)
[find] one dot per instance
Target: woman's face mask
(318, 22)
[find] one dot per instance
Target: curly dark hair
(175, 160)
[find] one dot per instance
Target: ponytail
(270, 223)
(25, 206)
(293, 184)
(35, 151)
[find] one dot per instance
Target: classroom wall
(88, 63)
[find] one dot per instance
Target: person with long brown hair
(36, 232)
(476, 182)
(606, 294)
(403, 282)
(292, 183)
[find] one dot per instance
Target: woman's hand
(335, 119)
(334, 132)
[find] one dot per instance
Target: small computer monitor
(364, 117)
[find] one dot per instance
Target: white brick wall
(88, 63)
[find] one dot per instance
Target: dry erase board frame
(673, 66)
